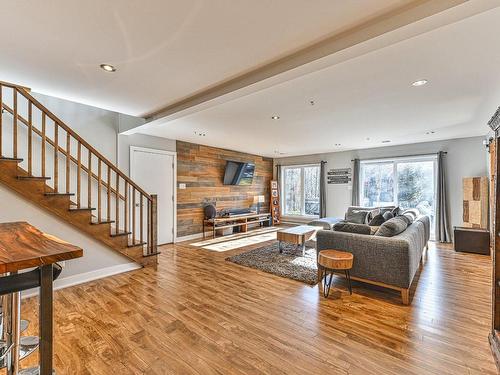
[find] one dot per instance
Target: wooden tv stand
(242, 221)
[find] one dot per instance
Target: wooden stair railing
(129, 218)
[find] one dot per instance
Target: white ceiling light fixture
(275, 117)
(108, 68)
(420, 82)
(200, 134)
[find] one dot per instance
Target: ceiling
(365, 100)
(163, 51)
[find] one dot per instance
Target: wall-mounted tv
(238, 173)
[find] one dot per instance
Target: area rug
(290, 264)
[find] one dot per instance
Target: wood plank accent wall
(201, 168)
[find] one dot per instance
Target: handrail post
(154, 223)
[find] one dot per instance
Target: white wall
(466, 157)
(140, 140)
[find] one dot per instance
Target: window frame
(395, 161)
(302, 215)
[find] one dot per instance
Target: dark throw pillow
(396, 211)
(392, 227)
(387, 215)
(356, 216)
(377, 220)
(344, 226)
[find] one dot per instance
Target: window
(404, 182)
(300, 187)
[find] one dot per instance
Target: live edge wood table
(298, 235)
(23, 246)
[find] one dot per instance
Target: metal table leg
(46, 322)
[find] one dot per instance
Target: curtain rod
(291, 165)
(401, 156)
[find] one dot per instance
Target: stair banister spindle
(30, 138)
(141, 219)
(108, 193)
(56, 157)
(117, 202)
(148, 227)
(1, 119)
(68, 153)
(44, 142)
(125, 207)
(89, 180)
(99, 179)
(154, 224)
(14, 124)
(79, 176)
(133, 216)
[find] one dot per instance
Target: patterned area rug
(290, 264)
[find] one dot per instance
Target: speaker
(210, 211)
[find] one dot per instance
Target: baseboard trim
(190, 237)
(86, 277)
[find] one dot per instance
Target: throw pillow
(392, 227)
(414, 212)
(377, 220)
(387, 215)
(408, 218)
(344, 226)
(396, 211)
(356, 216)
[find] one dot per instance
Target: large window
(405, 182)
(300, 187)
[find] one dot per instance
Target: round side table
(331, 260)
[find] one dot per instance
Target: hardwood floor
(198, 314)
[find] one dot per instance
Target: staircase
(46, 162)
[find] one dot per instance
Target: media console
(236, 221)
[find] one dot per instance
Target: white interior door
(153, 171)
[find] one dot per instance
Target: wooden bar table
(23, 246)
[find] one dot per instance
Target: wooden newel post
(154, 223)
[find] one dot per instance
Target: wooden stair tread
(17, 160)
(33, 178)
(81, 209)
(95, 222)
(54, 194)
(136, 244)
(119, 233)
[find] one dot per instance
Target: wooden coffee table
(297, 236)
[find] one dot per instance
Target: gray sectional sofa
(391, 262)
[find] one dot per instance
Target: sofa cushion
(387, 215)
(413, 212)
(377, 220)
(357, 216)
(345, 226)
(392, 227)
(326, 222)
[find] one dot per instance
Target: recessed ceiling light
(200, 134)
(275, 117)
(386, 141)
(337, 144)
(367, 138)
(420, 82)
(108, 68)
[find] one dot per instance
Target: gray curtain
(442, 224)
(278, 177)
(322, 190)
(355, 183)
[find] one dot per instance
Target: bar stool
(12, 346)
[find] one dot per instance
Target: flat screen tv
(238, 173)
